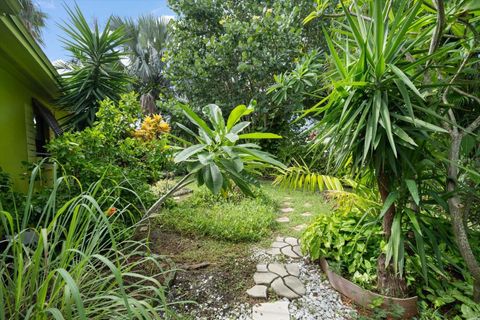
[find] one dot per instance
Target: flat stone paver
(307, 205)
(271, 311)
(293, 269)
(264, 277)
(294, 284)
(287, 210)
(258, 291)
(278, 269)
(287, 204)
(307, 214)
(283, 220)
(300, 227)
(278, 285)
(287, 246)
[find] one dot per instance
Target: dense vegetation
(376, 100)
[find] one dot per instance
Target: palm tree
(96, 73)
(145, 47)
(33, 18)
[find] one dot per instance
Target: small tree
(217, 159)
(97, 74)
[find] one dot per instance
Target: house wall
(17, 135)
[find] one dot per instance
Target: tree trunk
(456, 212)
(389, 282)
(147, 101)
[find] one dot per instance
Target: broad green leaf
(188, 152)
(195, 119)
(238, 112)
(389, 201)
(259, 135)
(214, 113)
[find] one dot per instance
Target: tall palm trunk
(389, 283)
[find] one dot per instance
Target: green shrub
(110, 150)
(234, 218)
(71, 264)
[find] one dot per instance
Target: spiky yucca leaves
(97, 74)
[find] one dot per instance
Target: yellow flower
(164, 127)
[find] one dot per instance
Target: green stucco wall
(16, 127)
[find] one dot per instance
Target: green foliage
(350, 238)
(147, 38)
(70, 264)
(33, 18)
(233, 217)
(108, 150)
(97, 73)
(226, 52)
(218, 160)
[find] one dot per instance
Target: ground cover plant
(69, 264)
(233, 217)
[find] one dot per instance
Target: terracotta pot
(365, 298)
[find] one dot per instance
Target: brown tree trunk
(389, 282)
(456, 209)
(147, 101)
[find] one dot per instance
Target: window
(43, 120)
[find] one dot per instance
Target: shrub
(231, 218)
(70, 264)
(115, 150)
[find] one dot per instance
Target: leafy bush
(351, 239)
(70, 264)
(234, 218)
(113, 149)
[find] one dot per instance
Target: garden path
(297, 289)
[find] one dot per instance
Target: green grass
(237, 218)
(301, 202)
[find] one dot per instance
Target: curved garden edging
(364, 297)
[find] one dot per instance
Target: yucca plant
(68, 264)
(217, 159)
(375, 114)
(97, 73)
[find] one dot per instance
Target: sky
(92, 9)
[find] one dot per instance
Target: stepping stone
(278, 268)
(258, 291)
(300, 227)
(293, 269)
(274, 251)
(287, 204)
(283, 219)
(287, 210)
(291, 241)
(264, 277)
(282, 290)
(297, 250)
(307, 205)
(262, 268)
(279, 239)
(287, 198)
(289, 252)
(271, 311)
(295, 285)
(307, 214)
(278, 244)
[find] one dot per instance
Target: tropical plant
(114, 149)
(374, 115)
(147, 38)
(33, 19)
(97, 73)
(217, 159)
(69, 264)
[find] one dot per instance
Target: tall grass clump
(71, 264)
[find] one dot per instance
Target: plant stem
(180, 184)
